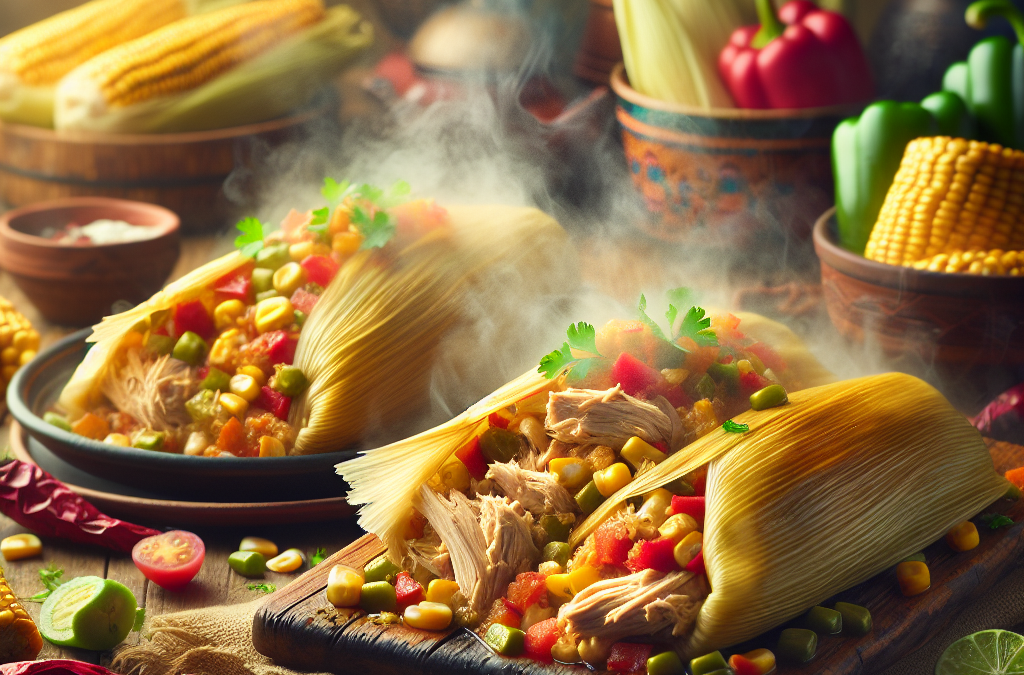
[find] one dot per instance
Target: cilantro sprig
(262, 587)
(250, 241)
(369, 214)
(318, 556)
(735, 427)
(695, 325)
(580, 336)
(994, 521)
(51, 578)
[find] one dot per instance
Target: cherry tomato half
(170, 560)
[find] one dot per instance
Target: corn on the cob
(18, 342)
(19, 637)
(951, 195)
(976, 262)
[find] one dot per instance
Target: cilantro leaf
(653, 325)
(697, 326)
(250, 242)
(583, 336)
(262, 587)
(397, 194)
(735, 427)
(677, 297)
(376, 230)
(557, 361)
(50, 576)
(994, 521)
(319, 223)
(318, 556)
(333, 191)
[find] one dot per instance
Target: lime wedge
(989, 652)
(89, 613)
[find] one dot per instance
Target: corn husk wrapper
(368, 345)
(821, 494)
(385, 481)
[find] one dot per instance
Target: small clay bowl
(78, 285)
(727, 175)
(958, 321)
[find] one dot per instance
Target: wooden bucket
(184, 172)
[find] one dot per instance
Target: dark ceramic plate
(169, 476)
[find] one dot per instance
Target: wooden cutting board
(298, 628)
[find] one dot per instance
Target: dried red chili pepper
(31, 497)
(53, 667)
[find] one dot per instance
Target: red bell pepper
(278, 345)
(236, 286)
(612, 543)
(629, 657)
(408, 591)
(803, 57)
(275, 402)
(501, 612)
(304, 301)
(527, 590)
(751, 382)
(635, 376)
(691, 506)
(741, 665)
(540, 638)
(654, 555)
(320, 269)
(192, 316)
(471, 455)
(696, 566)
(499, 420)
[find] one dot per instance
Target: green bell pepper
(866, 153)
(951, 114)
(991, 81)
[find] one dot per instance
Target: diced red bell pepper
(696, 566)
(501, 612)
(408, 590)
(278, 345)
(540, 638)
(232, 438)
(741, 665)
(294, 224)
(700, 483)
(661, 445)
(192, 316)
(629, 657)
(236, 286)
(471, 455)
(654, 555)
(675, 396)
(320, 269)
(751, 382)
(635, 376)
(691, 506)
(275, 402)
(527, 590)
(202, 373)
(161, 330)
(612, 543)
(304, 301)
(498, 420)
(769, 357)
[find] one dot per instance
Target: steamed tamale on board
(298, 341)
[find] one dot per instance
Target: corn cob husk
(368, 346)
(822, 494)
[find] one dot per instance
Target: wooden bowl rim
(169, 225)
(902, 278)
(620, 84)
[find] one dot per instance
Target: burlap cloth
(218, 640)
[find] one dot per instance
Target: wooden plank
(298, 628)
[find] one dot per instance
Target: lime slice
(990, 652)
(89, 613)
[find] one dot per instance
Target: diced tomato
(629, 657)
(320, 269)
(1016, 476)
(408, 590)
(691, 506)
(278, 345)
(741, 665)
(696, 566)
(654, 555)
(202, 373)
(236, 286)
(294, 224)
(540, 638)
(274, 401)
(700, 483)
(232, 438)
(635, 376)
(661, 445)
(499, 420)
(675, 396)
(192, 316)
(637, 339)
(612, 543)
(527, 590)
(170, 559)
(501, 612)
(304, 301)
(161, 330)
(769, 357)
(751, 382)
(471, 455)
(727, 359)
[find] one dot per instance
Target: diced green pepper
(266, 295)
(216, 380)
(824, 621)
(160, 345)
(771, 396)
(499, 445)
(856, 619)
(917, 557)
(150, 440)
(796, 645)
(705, 388)
(702, 665)
(202, 406)
(300, 318)
(56, 420)
(290, 381)
(262, 280)
(273, 257)
(190, 348)
(558, 527)
(589, 498)
(378, 596)
(951, 113)
(558, 551)
(504, 640)
(666, 663)
(1013, 493)
(380, 569)
(727, 374)
(680, 488)
(248, 563)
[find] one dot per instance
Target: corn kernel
(549, 567)
(196, 444)
(132, 340)
(343, 586)
(6, 335)
(289, 278)
(226, 346)
(300, 251)
(913, 577)
(340, 221)
(255, 373)
(677, 527)
(244, 386)
(428, 616)
(582, 577)
(688, 548)
(264, 547)
(558, 586)
(271, 447)
(25, 339)
(289, 561)
(612, 479)
(636, 450)
(9, 356)
(571, 472)
(764, 659)
(441, 590)
(655, 508)
(675, 376)
(20, 546)
(346, 243)
(963, 537)
(744, 366)
(233, 403)
(118, 439)
(227, 313)
(274, 314)
(455, 475)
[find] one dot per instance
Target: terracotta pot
(727, 174)
(600, 49)
(77, 285)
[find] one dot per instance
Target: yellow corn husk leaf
(671, 48)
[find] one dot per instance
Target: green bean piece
(378, 596)
(504, 640)
(248, 563)
(666, 663)
(160, 345)
(216, 380)
(56, 420)
(558, 551)
(589, 498)
(681, 488)
(726, 373)
(706, 387)
(499, 445)
(189, 348)
(856, 619)
(290, 381)
(262, 280)
(824, 621)
(558, 527)
(273, 257)
(796, 645)
(202, 406)
(380, 569)
(150, 440)
(917, 557)
(266, 295)
(709, 663)
(771, 396)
